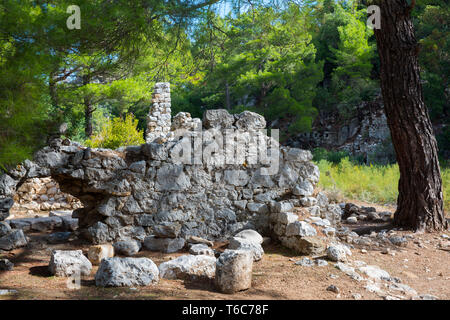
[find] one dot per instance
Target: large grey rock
(5, 205)
(338, 252)
(167, 230)
(7, 187)
(219, 118)
(300, 228)
(237, 178)
(127, 247)
(198, 240)
(256, 207)
(286, 217)
(248, 120)
(24, 224)
(234, 271)
(375, 273)
(166, 245)
(255, 248)
(298, 155)
(304, 189)
(201, 249)
(44, 224)
(59, 237)
(15, 239)
(192, 267)
(283, 206)
(250, 235)
(6, 265)
(69, 223)
(126, 272)
(4, 229)
(99, 233)
(66, 263)
(305, 245)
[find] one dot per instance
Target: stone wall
(42, 194)
(136, 191)
(159, 117)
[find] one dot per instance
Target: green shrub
(330, 156)
(117, 133)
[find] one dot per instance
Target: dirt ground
(423, 265)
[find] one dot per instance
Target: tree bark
(88, 110)
(420, 200)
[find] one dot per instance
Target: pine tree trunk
(88, 111)
(420, 201)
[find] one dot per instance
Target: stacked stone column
(159, 117)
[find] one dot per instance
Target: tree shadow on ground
(40, 271)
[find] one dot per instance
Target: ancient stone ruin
(183, 182)
(42, 194)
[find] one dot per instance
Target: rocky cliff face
(131, 192)
(363, 134)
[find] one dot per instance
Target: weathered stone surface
(167, 245)
(137, 191)
(70, 262)
(308, 201)
(234, 271)
(192, 267)
(59, 237)
(5, 205)
(338, 252)
(300, 228)
(6, 265)
(250, 235)
(399, 241)
(99, 252)
(283, 206)
(15, 239)
(44, 224)
(201, 249)
(309, 245)
(219, 118)
(126, 272)
(255, 248)
(197, 240)
(286, 217)
(250, 121)
(375, 272)
(4, 229)
(167, 230)
(127, 247)
(304, 189)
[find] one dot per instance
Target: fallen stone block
(250, 235)
(4, 229)
(192, 267)
(300, 228)
(201, 249)
(6, 265)
(338, 252)
(46, 223)
(244, 244)
(15, 239)
(234, 271)
(126, 272)
(127, 247)
(166, 245)
(99, 252)
(64, 263)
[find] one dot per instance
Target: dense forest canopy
(283, 59)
